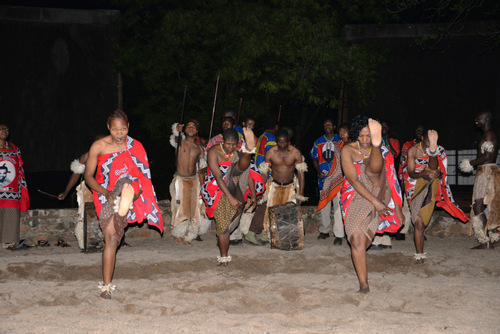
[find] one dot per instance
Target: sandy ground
(167, 288)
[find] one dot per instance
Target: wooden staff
(239, 111)
(179, 137)
(279, 115)
(213, 110)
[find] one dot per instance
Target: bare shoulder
(413, 148)
(99, 146)
(348, 148)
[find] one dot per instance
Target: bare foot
(126, 198)
(364, 289)
(179, 241)
(375, 132)
(433, 140)
(105, 295)
(249, 138)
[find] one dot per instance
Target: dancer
(123, 192)
(370, 195)
(226, 183)
(185, 187)
(426, 184)
(282, 187)
(485, 214)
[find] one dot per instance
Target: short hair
(230, 119)
(230, 134)
(195, 122)
(248, 118)
(359, 122)
(328, 119)
(271, 123)
(117, 113)
(344, 126)
(282, 133)
(230, 113)
(4, 167)
(488, 114)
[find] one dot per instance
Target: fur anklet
(106, 287)
(224, 259)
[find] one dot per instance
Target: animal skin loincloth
(185, 192)
(487, 187)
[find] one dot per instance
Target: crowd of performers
(249, 185)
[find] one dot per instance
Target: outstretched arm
(73, 179)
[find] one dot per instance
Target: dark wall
(441, 90)
(57, 88)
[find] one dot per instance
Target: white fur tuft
(465, 166)
(77, 167)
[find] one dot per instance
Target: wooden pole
(239, 111)
(213, 109)
(179, 137)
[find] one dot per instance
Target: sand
(163, 287)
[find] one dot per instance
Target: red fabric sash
(13, 188)
(131, 163)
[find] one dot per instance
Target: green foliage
(279, 52)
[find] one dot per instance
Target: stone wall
(54, 224)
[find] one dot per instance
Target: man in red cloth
(123, 192)
(14, 197)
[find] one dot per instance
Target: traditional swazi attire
(327, 154)
(14, 196)
(487, 188)
(266, 141)
(219, 139)
(113, 171)
(438, 191)
(403, 160)
(280, 194)
(185, 206)
(83, 196)
(217, 204)
(360, 213)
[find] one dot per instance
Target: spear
(179, 138)
(239, 111)
(279, 114)
(213, 110)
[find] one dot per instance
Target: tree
(269, 53)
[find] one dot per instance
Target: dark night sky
(59, 86)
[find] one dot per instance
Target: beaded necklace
(363, 154)
(423, 152)
(225, 154)
(5, 147)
